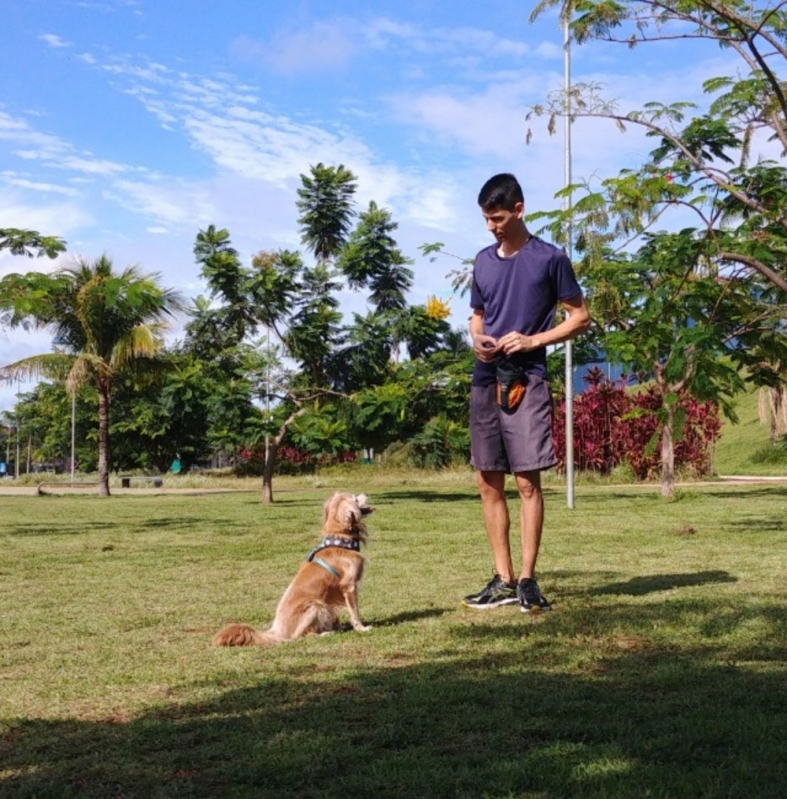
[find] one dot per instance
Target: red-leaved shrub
(613, 426)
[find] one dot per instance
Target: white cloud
(168, 202)
(10, 179)
(52, 219)
(53, 40)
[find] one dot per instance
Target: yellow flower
(437, 309)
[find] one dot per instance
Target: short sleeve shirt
(520, 293)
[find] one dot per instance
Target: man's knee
(528, 484)
(491, 484)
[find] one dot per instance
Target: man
(518, 282)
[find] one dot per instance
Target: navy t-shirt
(520, 293)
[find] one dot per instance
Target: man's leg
(531, 518)
(496, 520)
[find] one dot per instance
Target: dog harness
(352, 544)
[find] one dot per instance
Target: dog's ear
(326, 509)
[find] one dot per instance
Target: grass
(745, 448)
(660, 673)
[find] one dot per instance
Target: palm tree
(102, 322)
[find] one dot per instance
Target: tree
(326, 206)
(672, 317)
(703, 165)
(30, 243)
(103, 322)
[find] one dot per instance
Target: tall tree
(703, 163)
(103, 322)
(326, 206)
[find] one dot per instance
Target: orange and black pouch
(511, 385)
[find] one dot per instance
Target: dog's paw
(362, 628)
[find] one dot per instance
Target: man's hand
(485, 347)
(517, 342)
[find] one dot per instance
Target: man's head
(501, 191)
(503, 206)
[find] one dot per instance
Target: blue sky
(128, 125)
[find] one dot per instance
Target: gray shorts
(512, 442)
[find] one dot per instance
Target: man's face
(502, 223)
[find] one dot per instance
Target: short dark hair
(500, 191)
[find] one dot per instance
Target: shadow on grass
(639, 586)
(757, 525)
(58, 529)
(409, 616)
(639, 721)
(421, 495)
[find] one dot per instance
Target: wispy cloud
(11, 179)
(172, 202)
(53, 40)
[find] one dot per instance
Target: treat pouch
(511, 385)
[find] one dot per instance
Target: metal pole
(73, 429)
(569, 379)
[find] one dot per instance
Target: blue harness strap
(327, 567)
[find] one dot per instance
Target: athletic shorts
(512, 442)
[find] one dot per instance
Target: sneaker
(497, 592)
(530, 597)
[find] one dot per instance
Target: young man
(518, 282)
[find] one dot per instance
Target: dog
(327, 581)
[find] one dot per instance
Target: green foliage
(703, 164)
(371, 259)
(440, 444)
(326, 208)
(320, 432)
(30, 243)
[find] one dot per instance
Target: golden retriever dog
(327, 581)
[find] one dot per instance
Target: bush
(614, 427)
(289, 460)
(440, 444)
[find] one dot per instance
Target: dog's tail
(244, 635)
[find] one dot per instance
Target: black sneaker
(497, 592)
(530, 597)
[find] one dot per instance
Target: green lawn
(745, 448)
(661, 672)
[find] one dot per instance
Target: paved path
(7, 488)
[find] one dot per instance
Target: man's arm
(484, 346)
(577, 321)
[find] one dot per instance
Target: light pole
(569, 378)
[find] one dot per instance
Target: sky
(126, 126)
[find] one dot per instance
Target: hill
(745, 448)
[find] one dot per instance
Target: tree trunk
(668, 453)
(103, 440)
(270, 456)
(784, 409)
(267, 473)
(775, 396)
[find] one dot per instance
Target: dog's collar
(329, 541)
